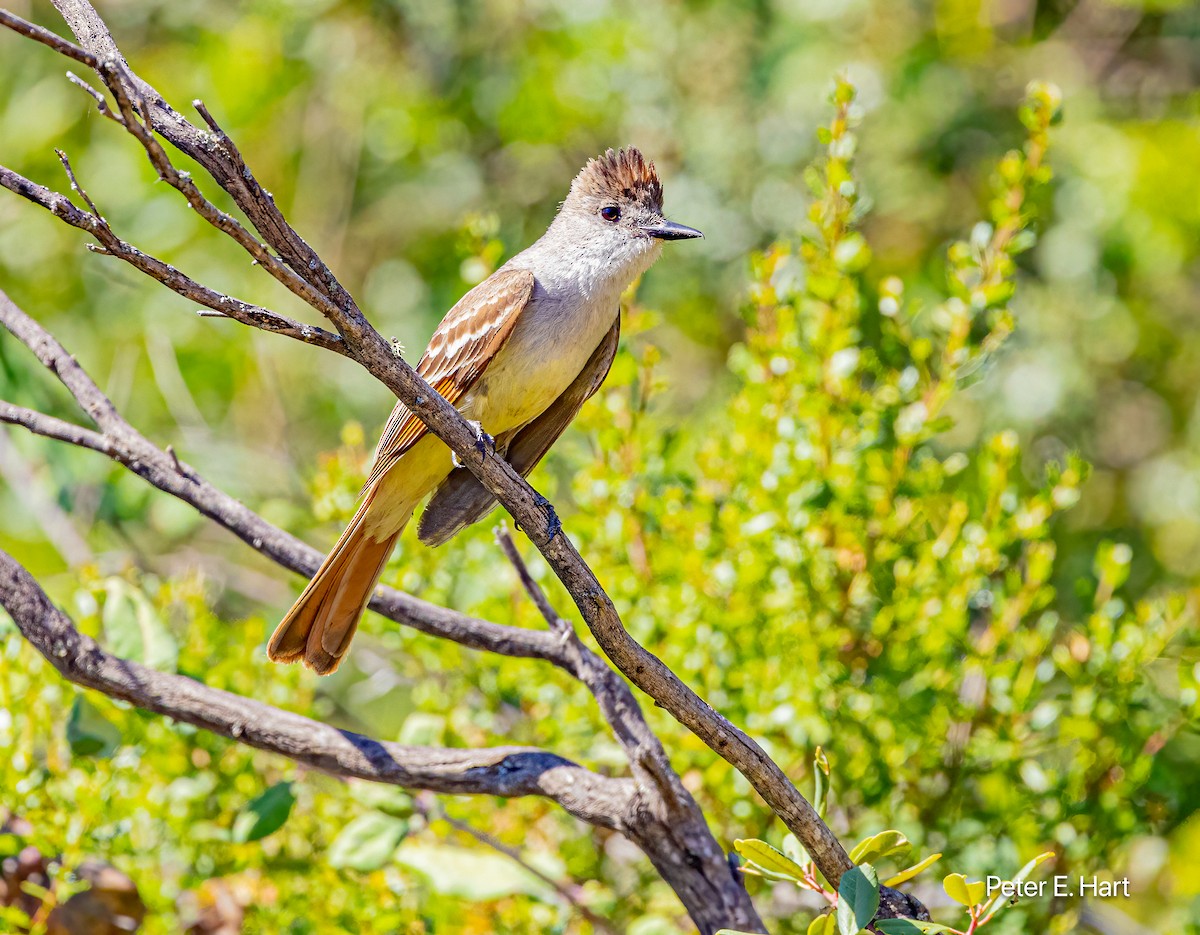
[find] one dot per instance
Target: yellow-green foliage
(810, 556)
(818, 530)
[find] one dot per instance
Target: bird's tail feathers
(319, 627)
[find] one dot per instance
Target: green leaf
(265, 814)
(477, 875)
(134, 630)
(883, 844)
(909, 927)
(820, 775)
(90, 733)
(766, 858)
(1021, 877)
(958, 889)
(795, 850)
(368, 842)
(858, 899)
(422, 729)
(390, 799)
(823, 925)
(909, 872)
(1023, 873)
(1022, 241)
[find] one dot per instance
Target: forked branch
(213, 149)
(665, 821)
(501, 771)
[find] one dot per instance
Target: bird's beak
(669, 230)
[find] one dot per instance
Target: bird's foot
(484, 444)
(553, 523)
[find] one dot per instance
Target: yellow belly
(527, 374)
(398, 492)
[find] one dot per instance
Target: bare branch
(208, 118)
(502, 771)
(46, 37)
(101, 103)
(534, 514)
(111, 245)
(49, 427)
(76, 187)
(111, 68)
(536, 594)
(216, 153)
(670, 827)
(182, 182)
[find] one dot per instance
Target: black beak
(669, 230)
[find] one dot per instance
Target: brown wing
(458, 353)
(461, 500)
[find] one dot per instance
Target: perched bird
(518, 356)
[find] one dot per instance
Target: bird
(518, 355)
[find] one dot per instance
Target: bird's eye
(611, 213)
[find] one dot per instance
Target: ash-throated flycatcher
(518, 355)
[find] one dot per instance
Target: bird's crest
(621, 173)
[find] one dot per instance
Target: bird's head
(616, 201)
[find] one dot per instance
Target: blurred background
(417, 145)
(405, 140)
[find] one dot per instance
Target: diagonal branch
(49, 427)
(46, 37)
(221, 159)
(669, 828)
(501, 771)
(120, 441)
(212, 150)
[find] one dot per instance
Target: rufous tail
(319, 627)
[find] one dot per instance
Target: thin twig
(46, 37)
(111, 245)
(566, 892)
(116, 82)
(78, 189)
(49, 427)
(532, 588)
(101, 103)
(170, 449)
(208, 118)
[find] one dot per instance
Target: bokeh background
(418, 144)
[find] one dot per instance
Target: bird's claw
(553, 523)
(484, 444)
